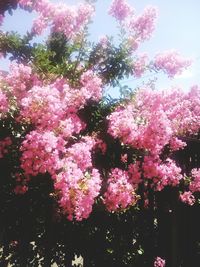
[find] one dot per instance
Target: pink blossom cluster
(75, 179)
(40, 152)
(135, 172)
(4, 146)
(20, 79)
(139, 28)
(154, 119)
(152, 122)
(182, 109)
(176, 144)
(91, 86)
(149, 131)
(195, 184)
(139, 65)
(120, 193)
(20, 189)
(188, 198)
(142, 26)
(78, 190)
(171, 62)
(162, 173)
(90, 89)
(60, 17)
(54, 106)
(159, 262)
(43, 107)
(120, 9)
(78, 182)
(51, 109)
(4, 104)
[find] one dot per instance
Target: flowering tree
(69, 154)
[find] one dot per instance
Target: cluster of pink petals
(77, 181)
(155, 118)
(51, 109)
(153, 121)
(78, 190)
(4, 146)
(20, 189)
(169, 174)
(43, 107)
(143, 25)
(183, 110)
(91, 86)
(60, 17)
(140, 65)
(80, 152)
(20, 78)
(135, 173)
(40, 152)
(148, 131)
(4, 104)
(188, 198)
(195, 184)
(76, 98)
(159, 262)
(120, 9)
(171, 62)
(54, 106)
(162, 173)
(120, 193)
(176, 144)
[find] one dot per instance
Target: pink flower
(39, 25)
(143, 25)
(59, 17)
(171, 62)
(195, 184)
(4, 105)
(176, 144)
(120, 9)
(120, 192)
(140, 65)
(20, 189)
(40, 152)
(159, 262)
(154, 119)
(20, 78)
(77, 190)
(135, 172)
(91, 85)
(43, 106)
(188, 198)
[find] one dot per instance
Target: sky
(177, 28)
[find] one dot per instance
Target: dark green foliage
(8, 5)
(17, 47)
